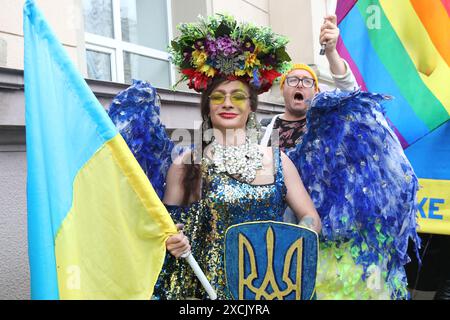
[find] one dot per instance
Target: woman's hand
(178, 244)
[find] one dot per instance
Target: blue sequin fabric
(225, 201)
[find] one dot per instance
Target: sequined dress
(225, 201)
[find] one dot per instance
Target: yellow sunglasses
(237, 98)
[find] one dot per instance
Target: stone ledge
(11, 79)
(12, 135)
(179, 108)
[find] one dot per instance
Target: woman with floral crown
(231, 179)
(350, 161)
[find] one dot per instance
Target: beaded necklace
(240, 161)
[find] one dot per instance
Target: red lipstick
(227, 115)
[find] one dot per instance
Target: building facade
(112, 42)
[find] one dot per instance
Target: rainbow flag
(402, 48)
(96, 228)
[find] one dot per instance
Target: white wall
(255, 11)
(65, 17)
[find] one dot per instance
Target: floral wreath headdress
(219, 46)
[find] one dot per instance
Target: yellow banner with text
(434, 206)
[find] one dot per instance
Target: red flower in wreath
(197, 80)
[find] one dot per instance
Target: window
(128, 39)
(100, 63)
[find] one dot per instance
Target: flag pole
(324, 45)
(200, 275)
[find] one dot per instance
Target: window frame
(116, 46)
(107, 50)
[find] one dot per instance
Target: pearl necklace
(241, 161)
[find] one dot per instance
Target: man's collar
(291, 119)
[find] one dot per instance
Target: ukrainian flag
(96, 228)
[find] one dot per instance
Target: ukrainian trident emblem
(271, 260)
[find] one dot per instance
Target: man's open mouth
(298, 97)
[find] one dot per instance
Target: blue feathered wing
(359, 178)
(136, 113)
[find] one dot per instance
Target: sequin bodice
(232, 201)
(226, 201)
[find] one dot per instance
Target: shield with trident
(271, 261)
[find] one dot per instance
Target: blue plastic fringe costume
(364, 189)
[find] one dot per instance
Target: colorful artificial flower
(199, 58)
(251, 60)
(208, 71)
(219, 46)
(249, 45)
(197, 80)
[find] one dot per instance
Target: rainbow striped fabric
(402, 48)
(96, 228)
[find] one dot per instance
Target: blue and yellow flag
(96, 228)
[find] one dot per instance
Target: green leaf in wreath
(222, 30)
(282, 54)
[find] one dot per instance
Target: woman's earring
(253, 128)
(207, 132)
